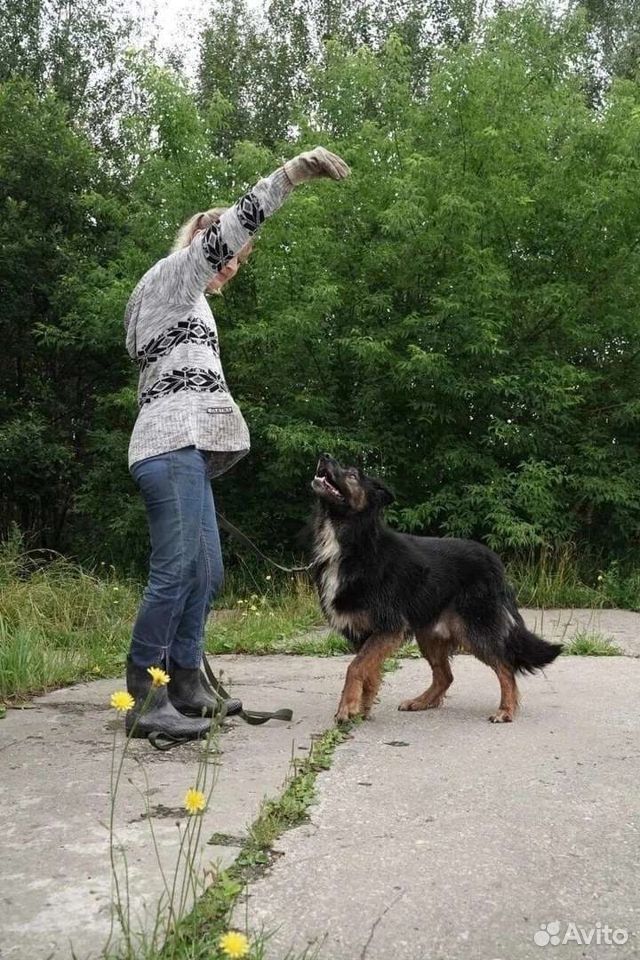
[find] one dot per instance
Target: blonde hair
(199, 221)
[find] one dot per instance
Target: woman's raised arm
(184, 275)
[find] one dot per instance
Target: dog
(378, 587)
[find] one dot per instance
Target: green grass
(555, 578)
(586, 644)
(274, 622)
(61, 624)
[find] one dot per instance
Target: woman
(188, 430)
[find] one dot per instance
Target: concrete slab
(55, 886)
(439, 836)
(620, 626)
(544, 810)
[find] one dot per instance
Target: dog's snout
(326, 465)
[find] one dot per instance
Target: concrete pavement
(439, 836)
(55, 884)
(620, 626)
(436, 835)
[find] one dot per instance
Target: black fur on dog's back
(372, 579)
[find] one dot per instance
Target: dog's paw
(345, 713)
(502, 716)
(419, 703)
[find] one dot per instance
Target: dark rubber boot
(191, 695)
(153, 711)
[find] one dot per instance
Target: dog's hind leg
(365, 675)
(436, 651)
(508, 694)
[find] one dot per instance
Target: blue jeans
(186, 569)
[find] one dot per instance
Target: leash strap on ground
(242, 538)
(164, 741)
(253, 717)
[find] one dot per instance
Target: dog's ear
(383, 496)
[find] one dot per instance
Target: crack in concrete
(377, 922)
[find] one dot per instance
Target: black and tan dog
(378, 587)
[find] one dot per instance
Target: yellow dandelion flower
(235, 945)
(253, 607)
(122, 701)
(194, 801)
(158, 676)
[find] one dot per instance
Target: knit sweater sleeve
(182, 276)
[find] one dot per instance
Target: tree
(461, 315)
(56, 231)
(616, 29)
(257, 69)
(71, 49)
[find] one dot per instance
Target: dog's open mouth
(323, 485)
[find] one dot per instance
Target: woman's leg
(175, 488)
(188, 643)
(187, 691)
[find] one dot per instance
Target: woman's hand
(316, 163)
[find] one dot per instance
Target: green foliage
(459, 317)
(616, 36)
(60, 346)
(60, 624)
(70, 49)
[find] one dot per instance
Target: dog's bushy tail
(527, 652)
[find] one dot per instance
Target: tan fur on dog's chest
(328, 554)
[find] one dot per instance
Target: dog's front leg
(365, 675)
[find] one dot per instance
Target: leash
(253, 717)
(243, 538)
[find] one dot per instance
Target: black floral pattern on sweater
(198, 379)
(191, 330)
(215, 249)
(250, 212)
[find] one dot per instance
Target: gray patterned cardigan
(183, 397)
